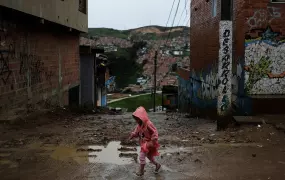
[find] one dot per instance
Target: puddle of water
(115, 153)
(111, 154)
(63, 153)
(69, 153)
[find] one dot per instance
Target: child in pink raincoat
(148, 137)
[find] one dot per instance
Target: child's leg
(142, 158)
(152, 160)
(142, 164)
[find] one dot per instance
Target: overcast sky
(128, 14)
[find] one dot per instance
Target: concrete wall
(64, 12)
(37, 62)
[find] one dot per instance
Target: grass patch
(133, 103)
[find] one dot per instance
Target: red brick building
(258, 55)
(39, 52)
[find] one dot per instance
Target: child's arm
(135, 133)
(154, 133)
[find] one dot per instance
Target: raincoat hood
(142, 114)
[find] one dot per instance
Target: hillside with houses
(172, 45)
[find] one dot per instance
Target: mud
(63, 145)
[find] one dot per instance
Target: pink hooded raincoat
(146, 132)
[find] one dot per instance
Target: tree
(123, 64)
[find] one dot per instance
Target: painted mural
(199, 90)
(184, 91)
(264, 62)
(241, 104)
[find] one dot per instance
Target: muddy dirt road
(62, 145)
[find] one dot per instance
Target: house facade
(258, 57)
(39, 51)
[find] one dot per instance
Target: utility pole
(154, 77)
(224, 105)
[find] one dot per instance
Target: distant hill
(147, 32)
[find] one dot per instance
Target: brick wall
(204, 51)
(204, 34)
(37, 61)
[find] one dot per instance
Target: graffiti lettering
(184, 92)
(5, 71)
(7, 50)
(226, 41)
(225, 103)
(262, 17)
(33, 65)
(209, 85)
(226, 49)
(225, 63)
(225, 74)
(226, 33)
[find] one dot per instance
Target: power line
(186, 1)
(173, 21)
(170, 12)
(168, 18)
(185, 9)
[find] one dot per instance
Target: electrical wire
(173, 22)
(185, 9)
(170, 13)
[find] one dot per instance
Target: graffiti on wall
(205, 85)
(200, 90)
(263, 17)
(184, 92)
(265, 63)
(31, 64)
(7, 50)
(16, 47)
(225, 67)
(209, 85)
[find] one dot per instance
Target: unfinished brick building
(39, 51)
(258, 83)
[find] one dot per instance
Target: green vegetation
(108, 32)
(125, 34)
(132, 103)
(257, 72)
(123, 65)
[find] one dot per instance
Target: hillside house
(177, 52)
